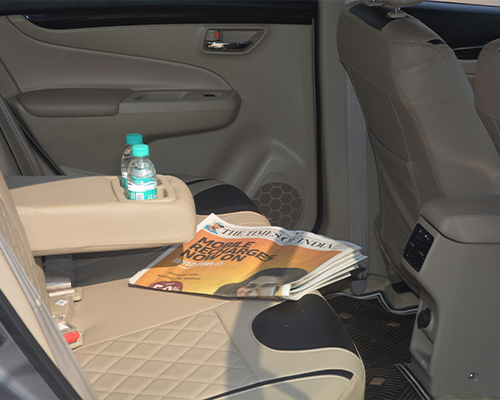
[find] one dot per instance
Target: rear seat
(142, 343)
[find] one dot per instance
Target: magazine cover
(253, 262)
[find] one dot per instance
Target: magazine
(254, 262)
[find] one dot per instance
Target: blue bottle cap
(134, 138)
(140, 150)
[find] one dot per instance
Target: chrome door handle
(225, 46)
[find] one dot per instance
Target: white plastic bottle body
(131, 140)
(126, 160)
(141, 179)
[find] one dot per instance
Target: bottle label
(124, 179)
(142, 188)
(147, 195)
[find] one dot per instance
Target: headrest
(402, 3)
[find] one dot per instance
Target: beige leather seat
(487, 88)
(142, 343)
(428, 139)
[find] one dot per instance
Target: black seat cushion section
(306, 324)
(222, 199)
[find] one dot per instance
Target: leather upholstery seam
(390, 153)
(195, 313)
(487, 113)
(172, 379)
(102, 373)
(96, 354)
(347, 389)
(433, 160)
(395, 227)
(466, 217)
(120, 358)
(187, 377)
(159, 344)
(496, 125)
(369, 80)
(145, 361)
(232, 341)
(425, 139)
(218, 376)
(409, 154)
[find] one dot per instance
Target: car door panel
(65, 14)
(265, 141)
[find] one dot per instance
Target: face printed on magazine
(263, 286)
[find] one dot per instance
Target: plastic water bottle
(141, 175)
(132, 138)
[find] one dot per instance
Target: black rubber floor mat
(383, 341)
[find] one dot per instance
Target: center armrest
(465, 220)
(64, 215)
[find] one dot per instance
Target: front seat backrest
(487, 88)
(428, 140)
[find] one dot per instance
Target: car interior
(371, 122)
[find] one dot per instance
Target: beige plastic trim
(457, 353)
(92, 214)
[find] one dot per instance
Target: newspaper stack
(252, 262)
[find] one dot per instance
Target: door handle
(226, 46)
(232, 40)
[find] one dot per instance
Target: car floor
(382, 336)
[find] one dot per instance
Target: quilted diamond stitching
(185, 359)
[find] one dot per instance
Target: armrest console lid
(89, 214)
(465, 220)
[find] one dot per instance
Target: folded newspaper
(255, 262)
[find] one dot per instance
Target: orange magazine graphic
(208, 262)
(231, 261)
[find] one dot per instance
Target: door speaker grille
(280, 203)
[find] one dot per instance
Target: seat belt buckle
(74, 338)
